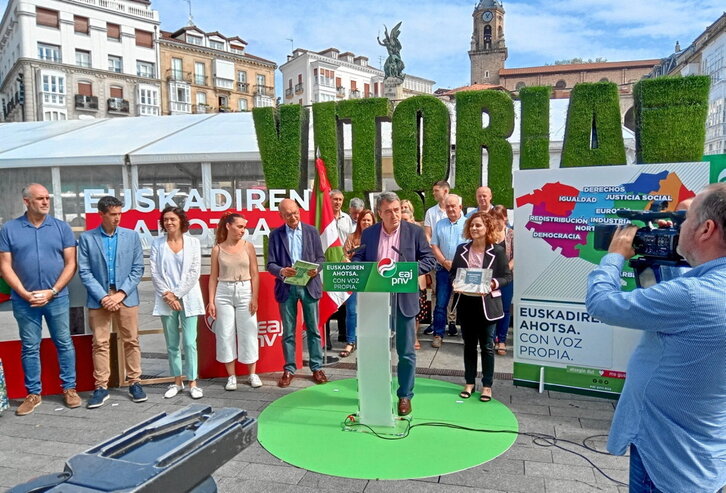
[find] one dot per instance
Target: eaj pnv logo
(386, 267)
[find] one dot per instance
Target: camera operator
(672, 411)
(669, 272)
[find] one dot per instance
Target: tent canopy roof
(218, 137)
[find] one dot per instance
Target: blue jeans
(351, 318)
(503, 323)
(443, 293)
(288, 310)
(30, 327)
(405, 338)
(639, 479)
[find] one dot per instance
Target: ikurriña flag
(333, 248)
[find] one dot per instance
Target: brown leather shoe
(71, 398)
(320, 377)
(285, 379)
(404, 406)
(29, 404)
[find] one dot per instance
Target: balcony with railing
(179, 107)
(117, 105)
(223, 83)
(178, 75)
(86, 103)
(243, 87)
(119, 7)
(354, 94)
(265, 91)
(299, 88)
(288, 93)
(202, 108)
(340, 91)
(200, 79)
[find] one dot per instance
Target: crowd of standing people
(39, 255)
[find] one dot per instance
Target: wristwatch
(54, 291)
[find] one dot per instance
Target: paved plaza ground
(41, 442)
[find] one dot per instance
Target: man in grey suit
(401, 242)
(110, 264)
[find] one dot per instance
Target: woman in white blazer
(175, 267)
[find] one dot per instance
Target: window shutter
(84, 89)
(113, 31)
(117, 92)
(353, 86)
(80, 24)
(144, 39)
(46, 17)
(337, 82)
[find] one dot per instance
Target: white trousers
(234, 322)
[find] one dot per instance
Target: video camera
(656, 245)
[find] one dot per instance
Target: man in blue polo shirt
(447, 235)
(37, 260)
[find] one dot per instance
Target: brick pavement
(40, 443)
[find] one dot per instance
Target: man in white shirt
(345, 227)
(438, 212)
(342, 220)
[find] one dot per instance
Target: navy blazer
(495, 258)
(93, 271)
(278, 256)
(414, 248)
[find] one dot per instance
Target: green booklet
(301, 276)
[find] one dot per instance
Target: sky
(436, 34)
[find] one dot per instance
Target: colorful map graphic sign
(556, 212)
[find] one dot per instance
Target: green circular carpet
(305, 429)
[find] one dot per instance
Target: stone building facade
(705, 56)
(311, 77)
(70, 59)
(205, 72)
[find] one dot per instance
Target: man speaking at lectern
(401, 242)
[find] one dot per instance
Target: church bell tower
(488, 50)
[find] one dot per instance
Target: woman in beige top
(234, 286)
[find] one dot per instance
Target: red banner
(14, 376)
(269, 335)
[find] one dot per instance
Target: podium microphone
(354, 250)
(400, 254)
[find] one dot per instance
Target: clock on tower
(488, 49)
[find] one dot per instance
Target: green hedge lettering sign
(670, 115)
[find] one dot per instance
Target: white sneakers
(173, 390)
(231, 383)
(255, 381)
